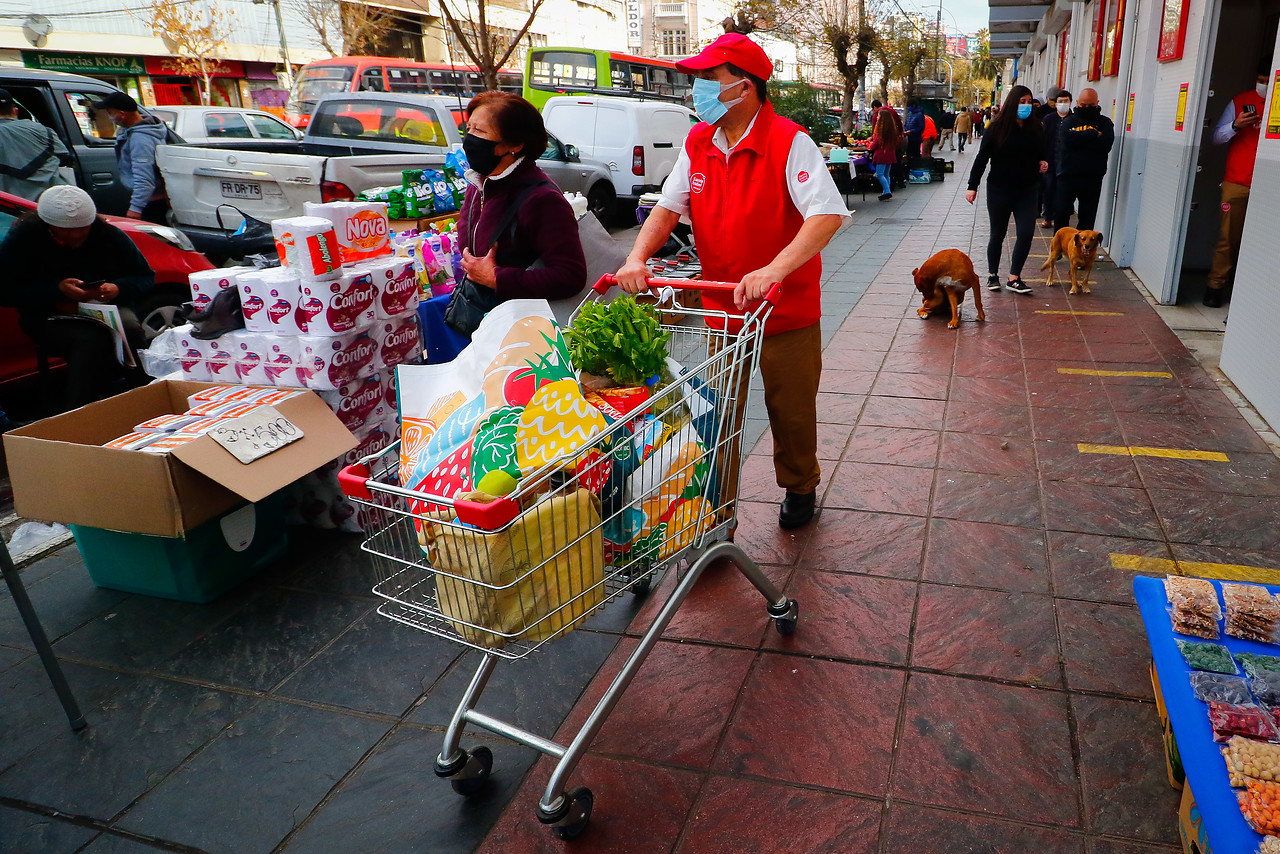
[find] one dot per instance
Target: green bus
(551, 71)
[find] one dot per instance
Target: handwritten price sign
(257, 434)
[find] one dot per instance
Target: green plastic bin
(210, 560)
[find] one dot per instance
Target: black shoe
(797, 510)
(884, 197)
(993, 282)
(1213, 297)
(1018, 286)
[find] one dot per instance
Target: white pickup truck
(354, 142)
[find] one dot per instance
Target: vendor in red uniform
(763, 206)
(1238, 129)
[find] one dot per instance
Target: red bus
(383, 74)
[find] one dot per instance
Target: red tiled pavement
(969, 671)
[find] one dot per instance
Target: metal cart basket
(507, 575)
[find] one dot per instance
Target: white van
(638, 140)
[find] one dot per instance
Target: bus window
(620, 74)
(662, 81)
(408, 80)
(562, 69)
(314, 83)
(638, 81)
(371, 80)
(509, 82)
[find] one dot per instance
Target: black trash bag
(218, 317)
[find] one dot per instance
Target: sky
(958, 16)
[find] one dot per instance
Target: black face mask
(1089, 111)
(480, 153)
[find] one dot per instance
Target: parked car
(167, 250)
(353, 142)
(64, 103)
(638, 141)
(200, 124)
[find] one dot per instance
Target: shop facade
(1165, 77)
(127, 73)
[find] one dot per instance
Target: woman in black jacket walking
(1014, 145)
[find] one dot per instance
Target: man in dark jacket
(1059, 107)
(946, 129)
(913, 125)
(63, 256)
(1084, 141)
(137, 138)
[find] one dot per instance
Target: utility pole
(284, 44)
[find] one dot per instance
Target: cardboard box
(1172, 759)
(61, 473)
(1190, 825)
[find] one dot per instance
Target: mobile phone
(1250, 109)
(92, 286)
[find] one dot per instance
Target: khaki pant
(1235, 203)
(947, 137)
(791, 366)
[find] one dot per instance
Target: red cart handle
(354, 480)
(608, 280)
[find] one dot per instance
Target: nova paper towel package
(361, 227)
(205, 284)
(269, 300)
(332, 308)
(309, 246)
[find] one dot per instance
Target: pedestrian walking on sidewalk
(1084, 142)
(947, 130)
(1061, 101)
(137, 138)
(885, 140)
(964, 127)
(763, 205)
(1014, 146)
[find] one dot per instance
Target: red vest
(1243, 148)
(743, 216)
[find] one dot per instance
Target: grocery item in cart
(1213, 657)
(530, 581)
(1252, 613)
(1251, 721)
(1218, 687)
(1193, 604)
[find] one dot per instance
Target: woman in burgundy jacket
(532, 252)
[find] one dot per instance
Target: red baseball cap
(734, 49)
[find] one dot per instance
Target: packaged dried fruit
(1193, 606)
(1248, 759)
(1266, 688)
(1254, 663)
(1260, 803)
(1252, 613)
(1212, 657)
(1228, 719)
(1220, 688)
(1269, 845)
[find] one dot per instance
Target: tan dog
(944, 278)
(1081, 250)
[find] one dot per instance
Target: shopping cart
(506, 576)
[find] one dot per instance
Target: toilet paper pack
(191, 356)
(399, 340)
(397, 286)
(248, 348)
(219, 359)
(309, 246)
(330, 362)
(359, 402)
(205, 284)
(343, 305)
(361, 228)
(269, 300)
(283, 356)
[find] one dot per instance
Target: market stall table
(442, 343)
(1202, 760)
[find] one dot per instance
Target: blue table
(442, 343)
(1206, 771)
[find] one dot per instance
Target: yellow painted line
(1196, 569)
(1087, 372)
(1082, 313)
(1166, 453)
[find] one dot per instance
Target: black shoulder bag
(470, 302)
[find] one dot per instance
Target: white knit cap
(65, 206)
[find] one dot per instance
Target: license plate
(241, 190)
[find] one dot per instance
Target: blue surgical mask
(1024, 111)
(706, 99)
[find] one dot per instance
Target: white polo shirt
(815, 195)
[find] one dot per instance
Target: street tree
(901, 49)
(487, 49)
(194, 34)
(345, 29)
(985, 66)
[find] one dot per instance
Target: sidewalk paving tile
(982, 554)
(1006, 636)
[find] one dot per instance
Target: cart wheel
(474, 776)
(785, 622)
(641, 587)
(574, 816)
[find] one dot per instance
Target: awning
(1013, 23)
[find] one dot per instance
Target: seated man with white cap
(63, 255)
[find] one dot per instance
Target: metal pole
(9, 573)
(284, 45)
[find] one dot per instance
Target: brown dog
(1081, 249)
(944, 278)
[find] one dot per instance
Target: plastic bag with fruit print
(509, 405)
